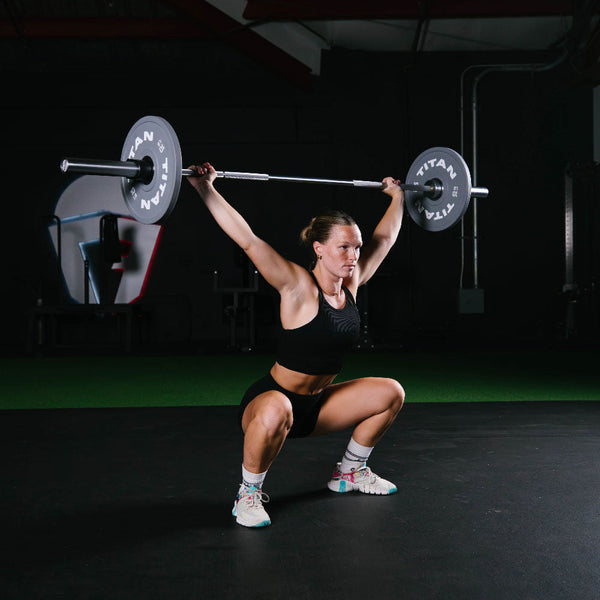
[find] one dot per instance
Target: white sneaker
(362, 480)
(248, 508)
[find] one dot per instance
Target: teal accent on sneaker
(263, 524)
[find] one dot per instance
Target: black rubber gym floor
(495, 501)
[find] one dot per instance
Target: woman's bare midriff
(300, 383)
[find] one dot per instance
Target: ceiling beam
(206, 22)
(242, 38)
(277, 10)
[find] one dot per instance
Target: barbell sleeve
(479, 192)
(115, 168)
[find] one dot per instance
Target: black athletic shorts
(306, 407)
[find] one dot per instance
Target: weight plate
(153, 138)
(449, 168)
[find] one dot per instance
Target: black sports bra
(319, 347)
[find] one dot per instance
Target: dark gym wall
(367, 116)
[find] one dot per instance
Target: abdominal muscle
(300, 383)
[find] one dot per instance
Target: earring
(319, 257)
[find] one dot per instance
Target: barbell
(437, 189)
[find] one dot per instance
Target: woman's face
(341, 251)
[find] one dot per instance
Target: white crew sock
(253, 479)
(355, 456)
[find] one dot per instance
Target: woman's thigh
(351, 402)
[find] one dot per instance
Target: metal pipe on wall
(486, 70)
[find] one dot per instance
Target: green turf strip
(130, 381)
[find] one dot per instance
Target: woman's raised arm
(277, 271)
(385, 234)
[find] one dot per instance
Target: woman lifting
(320, 323)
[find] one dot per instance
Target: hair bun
(307, 234)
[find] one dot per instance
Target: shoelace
(256, 497)
(367, 474)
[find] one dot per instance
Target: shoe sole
(240, 521)
(261, 524)
(341, 487)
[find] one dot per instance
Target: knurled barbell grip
(267, 177)
(353, 182)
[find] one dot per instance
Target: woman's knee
(273, 412)
(394, 393)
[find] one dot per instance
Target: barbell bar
(437, 189)
(137, 169)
